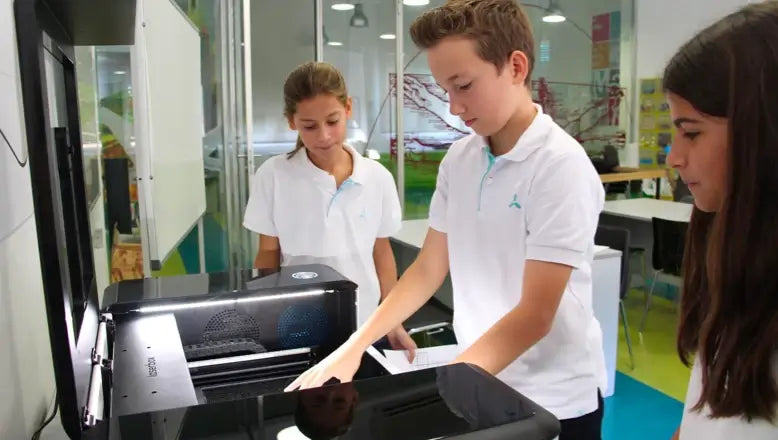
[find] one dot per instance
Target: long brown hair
(307, 81)
(729, 305)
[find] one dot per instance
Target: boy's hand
(399, 339)
(341, 364)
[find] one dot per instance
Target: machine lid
(452, 401)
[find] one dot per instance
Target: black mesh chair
(669, 241)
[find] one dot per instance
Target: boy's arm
(525, 325)
(423, 277)
(416, 286)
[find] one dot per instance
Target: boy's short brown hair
(498, 27)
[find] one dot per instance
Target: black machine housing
(192, 339)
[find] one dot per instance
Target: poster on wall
(427, 122)
(655, 124)
(606, 65)
(429, 129)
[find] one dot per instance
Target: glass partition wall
(582, 77)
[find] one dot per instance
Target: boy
(513, 218)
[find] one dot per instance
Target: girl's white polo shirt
(316, 222)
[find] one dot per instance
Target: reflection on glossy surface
(326, 412)
(477, 404)
(427, 404)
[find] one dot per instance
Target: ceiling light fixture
(359, 19)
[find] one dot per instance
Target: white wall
(281, 39)
(662, 27)
(26, 373)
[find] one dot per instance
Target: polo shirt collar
(359, 173)
(532, 139)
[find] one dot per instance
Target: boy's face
(482, 97)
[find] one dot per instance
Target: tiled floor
(656, 360)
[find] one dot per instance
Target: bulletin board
(655, 123)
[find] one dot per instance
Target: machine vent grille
(231, 324)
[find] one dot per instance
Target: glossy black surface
(126, 295)
(94, 22)
(160, 323)
(455, 401)
(61, 214)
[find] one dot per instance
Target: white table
(644, 209)
(606, 270)
(412, 232)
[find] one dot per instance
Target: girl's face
(321, 123)
(699, 152)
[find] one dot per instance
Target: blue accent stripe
(492, 159)
(338, 191)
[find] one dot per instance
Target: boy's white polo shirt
(540, 201)
(315, 222)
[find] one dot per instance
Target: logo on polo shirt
(363, 214)
(515, 202)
